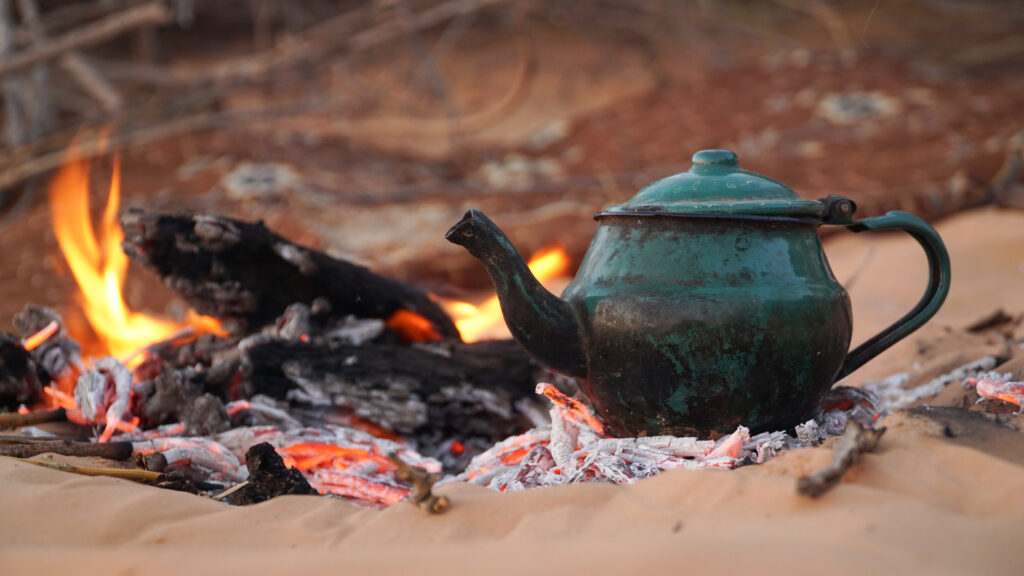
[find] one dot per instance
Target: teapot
(704, 302)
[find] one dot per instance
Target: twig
(14, 419)
(151, 14)
(231, 490)
(123, 473)
(109, 450)
(421, 481)
(854, 442)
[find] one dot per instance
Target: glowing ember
(312, 455)
(485, 321)
(411, 327)
(99, 265)
(997, 386)
(574, 410)
(35, 340)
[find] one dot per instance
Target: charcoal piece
(204, 416)
(246, 275)
(162, 400)
(59, 352)
(180, 481)
(268, 477)
(179, 396)
(429, 391)
(18, 381)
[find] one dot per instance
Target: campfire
(330, 379)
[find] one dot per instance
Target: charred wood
(179, 396)
(245, 274)
(15, 419)
(268, 477)
(18, 381)
(429, 391)
(58, 353)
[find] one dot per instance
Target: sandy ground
(939, 495)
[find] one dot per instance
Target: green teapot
(704, 302)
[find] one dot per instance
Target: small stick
(854, 442)
(110, 450)
(14, 419)
(123, 473)
(422, 481)
(231, 490)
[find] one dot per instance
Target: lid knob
(716, 158)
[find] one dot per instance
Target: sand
(941, 495)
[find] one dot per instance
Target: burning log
(244, 273)
(109, 450)
(854, 442)
(428, 390)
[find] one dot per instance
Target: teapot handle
(934, 294)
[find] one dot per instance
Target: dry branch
(14, 419)
(110, 450)
(153, 14)
(854, 442)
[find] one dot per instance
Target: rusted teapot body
(704, 302)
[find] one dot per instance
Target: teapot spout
(543, 323)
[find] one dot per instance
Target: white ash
(35, 432)
(213, 459)
(296, 257)
(356, 331)
(91, 392)
(809, 433)
(894, 397)
(997, 386)
(568, 451)
(265, 411)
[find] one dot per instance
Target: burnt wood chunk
(18, 381)
(269, 477)
(243, 273)
(436, 390)
(58, 353)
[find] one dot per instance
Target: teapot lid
(715, 185)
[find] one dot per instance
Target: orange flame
(99, 265)
(485, 321)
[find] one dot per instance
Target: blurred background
(366, 128)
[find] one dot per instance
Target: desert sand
(941, 495)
